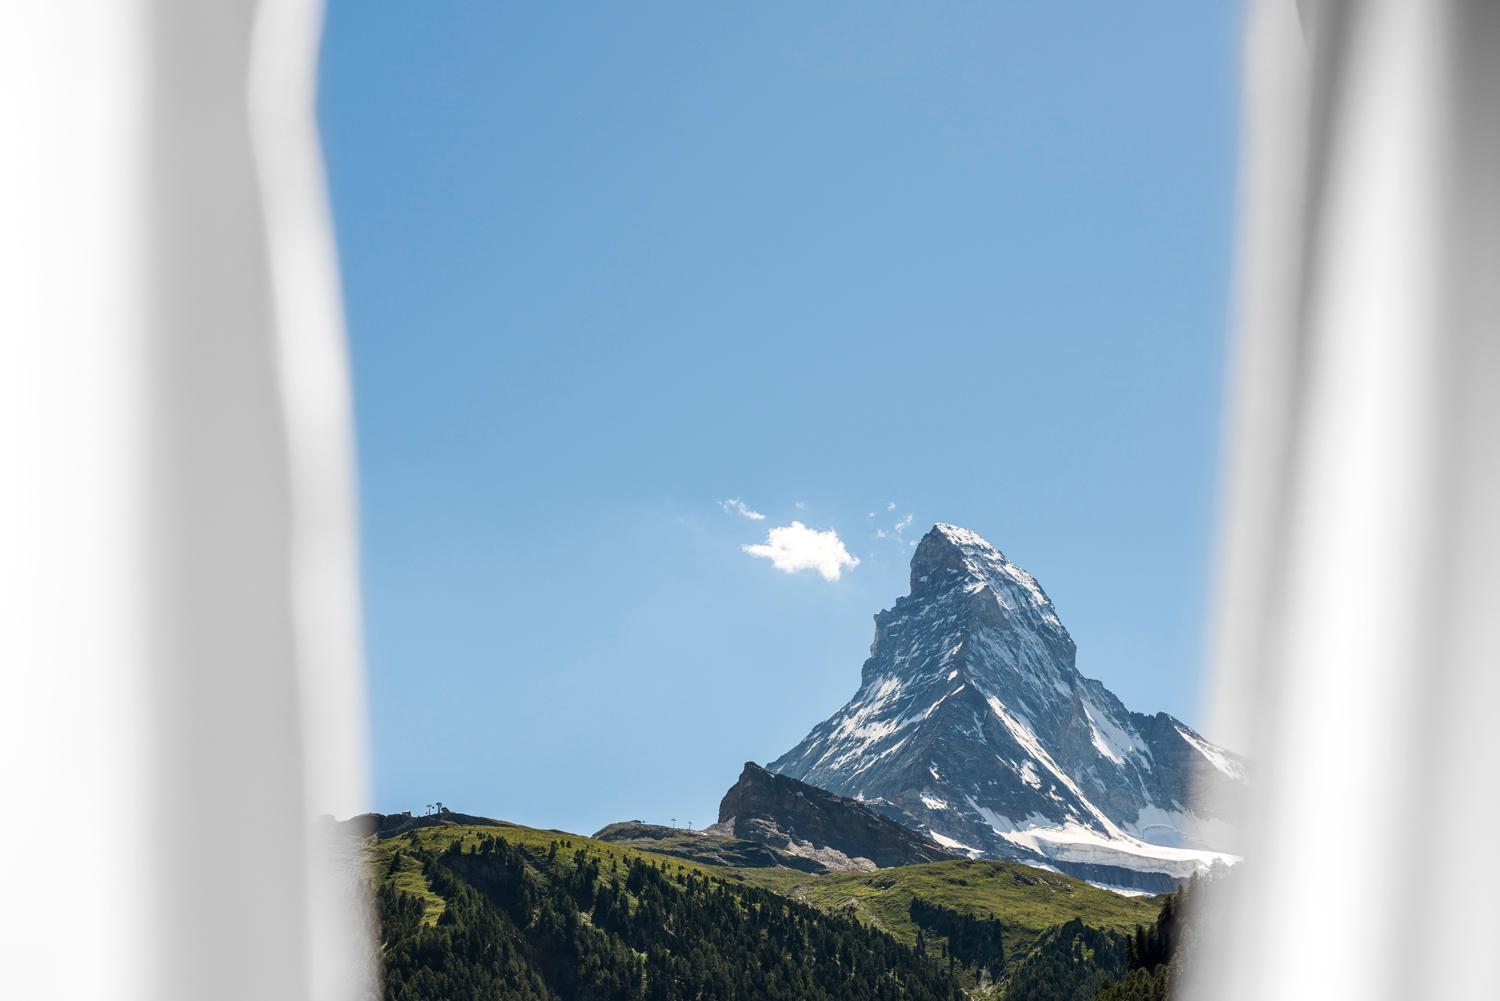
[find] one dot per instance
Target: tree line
(523, 924)
(972, 941)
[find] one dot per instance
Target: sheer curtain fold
(1357, 661)
(180, 636)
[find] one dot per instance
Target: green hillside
(708, 849)
(503, 912)
(427, 871)
(397, 861)
(1027, 901)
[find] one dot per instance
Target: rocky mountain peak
(950, 560)
(972, 722)
(940, 554)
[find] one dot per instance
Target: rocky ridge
(798, 819)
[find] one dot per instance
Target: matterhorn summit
(972, 724)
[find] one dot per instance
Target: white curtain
(1359, 645)
(178, 603)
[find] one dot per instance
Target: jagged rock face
(802, 820)
(973, 723)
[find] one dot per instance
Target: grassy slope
(1027, 900)
(707, 849)
(408, 876)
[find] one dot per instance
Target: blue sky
(608, 265)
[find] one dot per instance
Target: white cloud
(890, 505)
(870, 515)
(800, 505)
(879, 533)
(795, 547)
(903, 525)
(736, 506)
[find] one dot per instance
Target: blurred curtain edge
(184, 701)
(1356, 655)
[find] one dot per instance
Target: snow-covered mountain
(972, 723)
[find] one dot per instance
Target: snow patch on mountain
(1180, 828)
(1076, 843)
(948, 842)
(1216, 756)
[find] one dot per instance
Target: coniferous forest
(1154, 956)
(488, 918)
(572, 925)
(1075, 962)
(972, 941)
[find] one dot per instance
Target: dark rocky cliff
(794, 817)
